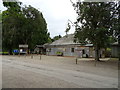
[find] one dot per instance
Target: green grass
(4, 52)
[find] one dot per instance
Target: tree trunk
(10, 51)
(97, 53)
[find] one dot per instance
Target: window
(72, 49)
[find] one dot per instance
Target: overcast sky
(56, 14)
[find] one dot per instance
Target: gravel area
(20, 75)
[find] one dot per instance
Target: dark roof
(39, 46)
(66, 40)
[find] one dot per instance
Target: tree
(23, 25)
(0, 31)
(49, 38)
(116, 25)
(56, 38)
(10, 25)
(96, 19)
(35, 27)
(0, 17)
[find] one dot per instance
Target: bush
(4, 53)
(59, 53)
(108, 52)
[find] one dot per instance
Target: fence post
(76, 60)
(31, 56)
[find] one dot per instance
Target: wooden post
(76, 60)
(19, 52)
(95, 63)
(31, 56)
(40, 56)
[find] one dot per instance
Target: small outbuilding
(40, 49)
(115, 50)
(23, 49)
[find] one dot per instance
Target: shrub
(59, 53)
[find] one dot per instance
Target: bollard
(95, 63)
(76, 60)
(19, 55)
(32, 56)
(40, 56)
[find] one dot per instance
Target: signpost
(23, 49)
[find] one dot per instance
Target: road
(18, 74)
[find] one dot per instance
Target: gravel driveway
(58, 72)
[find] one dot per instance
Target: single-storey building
(23, 49)
(115, 47)
(67, 47)
(40, 49)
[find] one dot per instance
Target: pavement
(57, 72)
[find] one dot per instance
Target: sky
(56, 14)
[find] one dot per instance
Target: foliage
(59, 53)
(0, 17)
(49, 38)
(4, 53)
(23, 25)
(116, 25)
(0, 31)
(97, 20)
(10, 26)
(56, 38)
(36, 26)
(14, 5)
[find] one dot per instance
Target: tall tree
(10, 25)
(116, 25)
(96, 19)
(0, 31)
(0, 17)
(23, 25)
(34, 28)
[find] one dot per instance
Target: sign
(23, 46)
(16, 51)
(21, 50)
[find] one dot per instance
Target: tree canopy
(23, 25)
(0, 31)
(96, 23)
(56, 38)
(0, 17)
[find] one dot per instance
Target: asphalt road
(18, 74)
